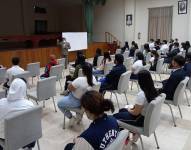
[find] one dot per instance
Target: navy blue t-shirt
(101, 132)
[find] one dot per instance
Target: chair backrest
(152, 116)
(23, 128)
(123, 84)
(34, 69)
(2, 94)
(108, 67)
(189, 84)
(189, 50)
(159, 67)
(46, 88)
(148, 57)
(56, 71)
(147, 67)
(80, 73)
(118, 51)
(25, 75)
(2, 75)
(99, 60)
(61, 61)
(119, 142)
(179, 92)
(128, 63)
(126, 54)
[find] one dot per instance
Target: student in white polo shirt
(14, 70)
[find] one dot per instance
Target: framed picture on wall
(182, 7)
(129, 20)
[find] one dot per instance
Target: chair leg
(187, 98)
(131, 85)
(172, 115)
(142, 146)
(111, 96)
(180, 111)
(38, 144)
(64, 123)
(137, 86)
(37, 102)
(156, 140)
(60, 85)
(155, 76)
(160, 76)
(44, 104)
(117, 100)
(54, 104)
(126, 98)
(32, 80)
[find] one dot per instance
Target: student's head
(52, 57)
(155, 54)
(126, 44)
(151, 40)
(178, 61)
(176, 40)
(171, 41)
(176, 45)
(183, 45)
(140, 56)
(164, 41)
(95, 105)
(188, 57)
(187, 43)
(107, 55)
(98, 51)
(146, 47)
(133, 43)
(147, 85)
(119, 59)
(15, 61)
(87, 72)
(81, 59)
(17, 90)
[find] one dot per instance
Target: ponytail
(107, 105)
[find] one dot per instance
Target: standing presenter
(65, 46)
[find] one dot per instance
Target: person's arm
(82, 144)
(71, 87)
(136, 110)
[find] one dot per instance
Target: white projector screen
(77, 40)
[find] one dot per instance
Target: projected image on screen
(77, 40)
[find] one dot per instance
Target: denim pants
(67, 103)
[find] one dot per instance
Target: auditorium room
(95, 75)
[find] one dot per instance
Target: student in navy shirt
(103, 130)
(187, 66)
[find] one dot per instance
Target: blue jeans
(67, 103)
(98, 72)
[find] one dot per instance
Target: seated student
(134, 114)
(177, 75)
(52, 62)
(110, 82)
(81, 62)
(146, 49)
(77, 88)
(187, 66)
(157, 45)
(103, 130)
(187, 46)
(154, 60)
(152, 44)
(183, 47)
(171, 45)
(138, 65)
(15, 102)
(164, 47)
(98, 53)
(126, 47)
(14, 70)
(106, 60)
(133, 48)
(79, 53)
(172, 53)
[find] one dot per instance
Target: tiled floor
(169, 137)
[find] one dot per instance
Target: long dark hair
(140, 56)
(106, 56)
(147, 85)
(95, 103)
(87, 71)
(81, 59)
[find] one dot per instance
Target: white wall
(180, 25)
(109, 18)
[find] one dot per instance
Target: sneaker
(65, 93)
(72, 122)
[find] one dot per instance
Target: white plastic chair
(34, 69)
(99, 60)
(2, 75)
(178, 97)
(159, 68)
(126, 54)
(188, 87)
(128, 63)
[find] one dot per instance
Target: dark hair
(81, 59)
(165, 41)
(188, 56)
(155, 53)
(147, 85)
(176, 44)
(140, 56)
(106, 56)
(119, 58)
(146, 47)
(95, 103)
(152, 40)
(98, 51)
(87, 71)
(126, 44)
(15, 60)
(187, 43)
(180, 60)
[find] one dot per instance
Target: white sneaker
(72, 122)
